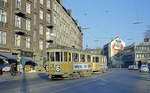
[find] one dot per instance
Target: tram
(71, 63)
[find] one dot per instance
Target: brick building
(29, 27)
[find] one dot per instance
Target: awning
(24, 60)
(8, 56)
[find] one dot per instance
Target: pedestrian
(1, 71)
(1, 66)
(13, 69)
(20, 69)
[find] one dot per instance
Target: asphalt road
(114, 81)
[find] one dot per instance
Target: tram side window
(52, 56)
(94, 59)
(61, 54)
(88, 58)
(57, 56)
(97, 59)
(82, 58)
(47, 56)
(65, 56)
(69, 57)
(75, 57)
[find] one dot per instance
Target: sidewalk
(7, 76)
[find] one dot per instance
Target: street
(114, 81)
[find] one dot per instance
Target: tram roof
(71, 49)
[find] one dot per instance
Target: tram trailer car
(67, 63)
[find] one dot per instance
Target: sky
(107, 19)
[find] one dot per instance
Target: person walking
(13, 69)
(1, 71)
(1, 67)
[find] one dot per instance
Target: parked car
(144, 68)
(133, 67)
(6, 69)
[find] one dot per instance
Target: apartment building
(66, 30)
(29, 27)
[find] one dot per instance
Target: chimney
(69, 11)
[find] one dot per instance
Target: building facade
(111, 50)
(137, 54)
(29, 27)
(66, 31)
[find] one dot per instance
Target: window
(27, 24)
(88, 58)
(17, 21)
(28, 7)
(51, 56)
(65, 56)
(41, 2)
(18, 4)
(94, 59)
(41, 29)
(41, 45)
(54, 19)
(75, 57)
(48, 4)
(70, 57)
(48, 18)
(34, 19)
(54, 6)
(47, 34)
(57, 56)
(35, 3)
(3, 16)
(82, 58)
(47, 45)
(41, 14)
(34, 36)
(17, 40)
(27, 42)
(2, 37)
(97, 59)
(3, 3)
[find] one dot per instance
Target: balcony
(3, 25)
(20, 13)
(50, 26)
(20, 32)
(3, 3)
(50, 40)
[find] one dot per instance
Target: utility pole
(83, 29)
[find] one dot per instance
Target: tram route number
(47, 68)
(57, 68)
